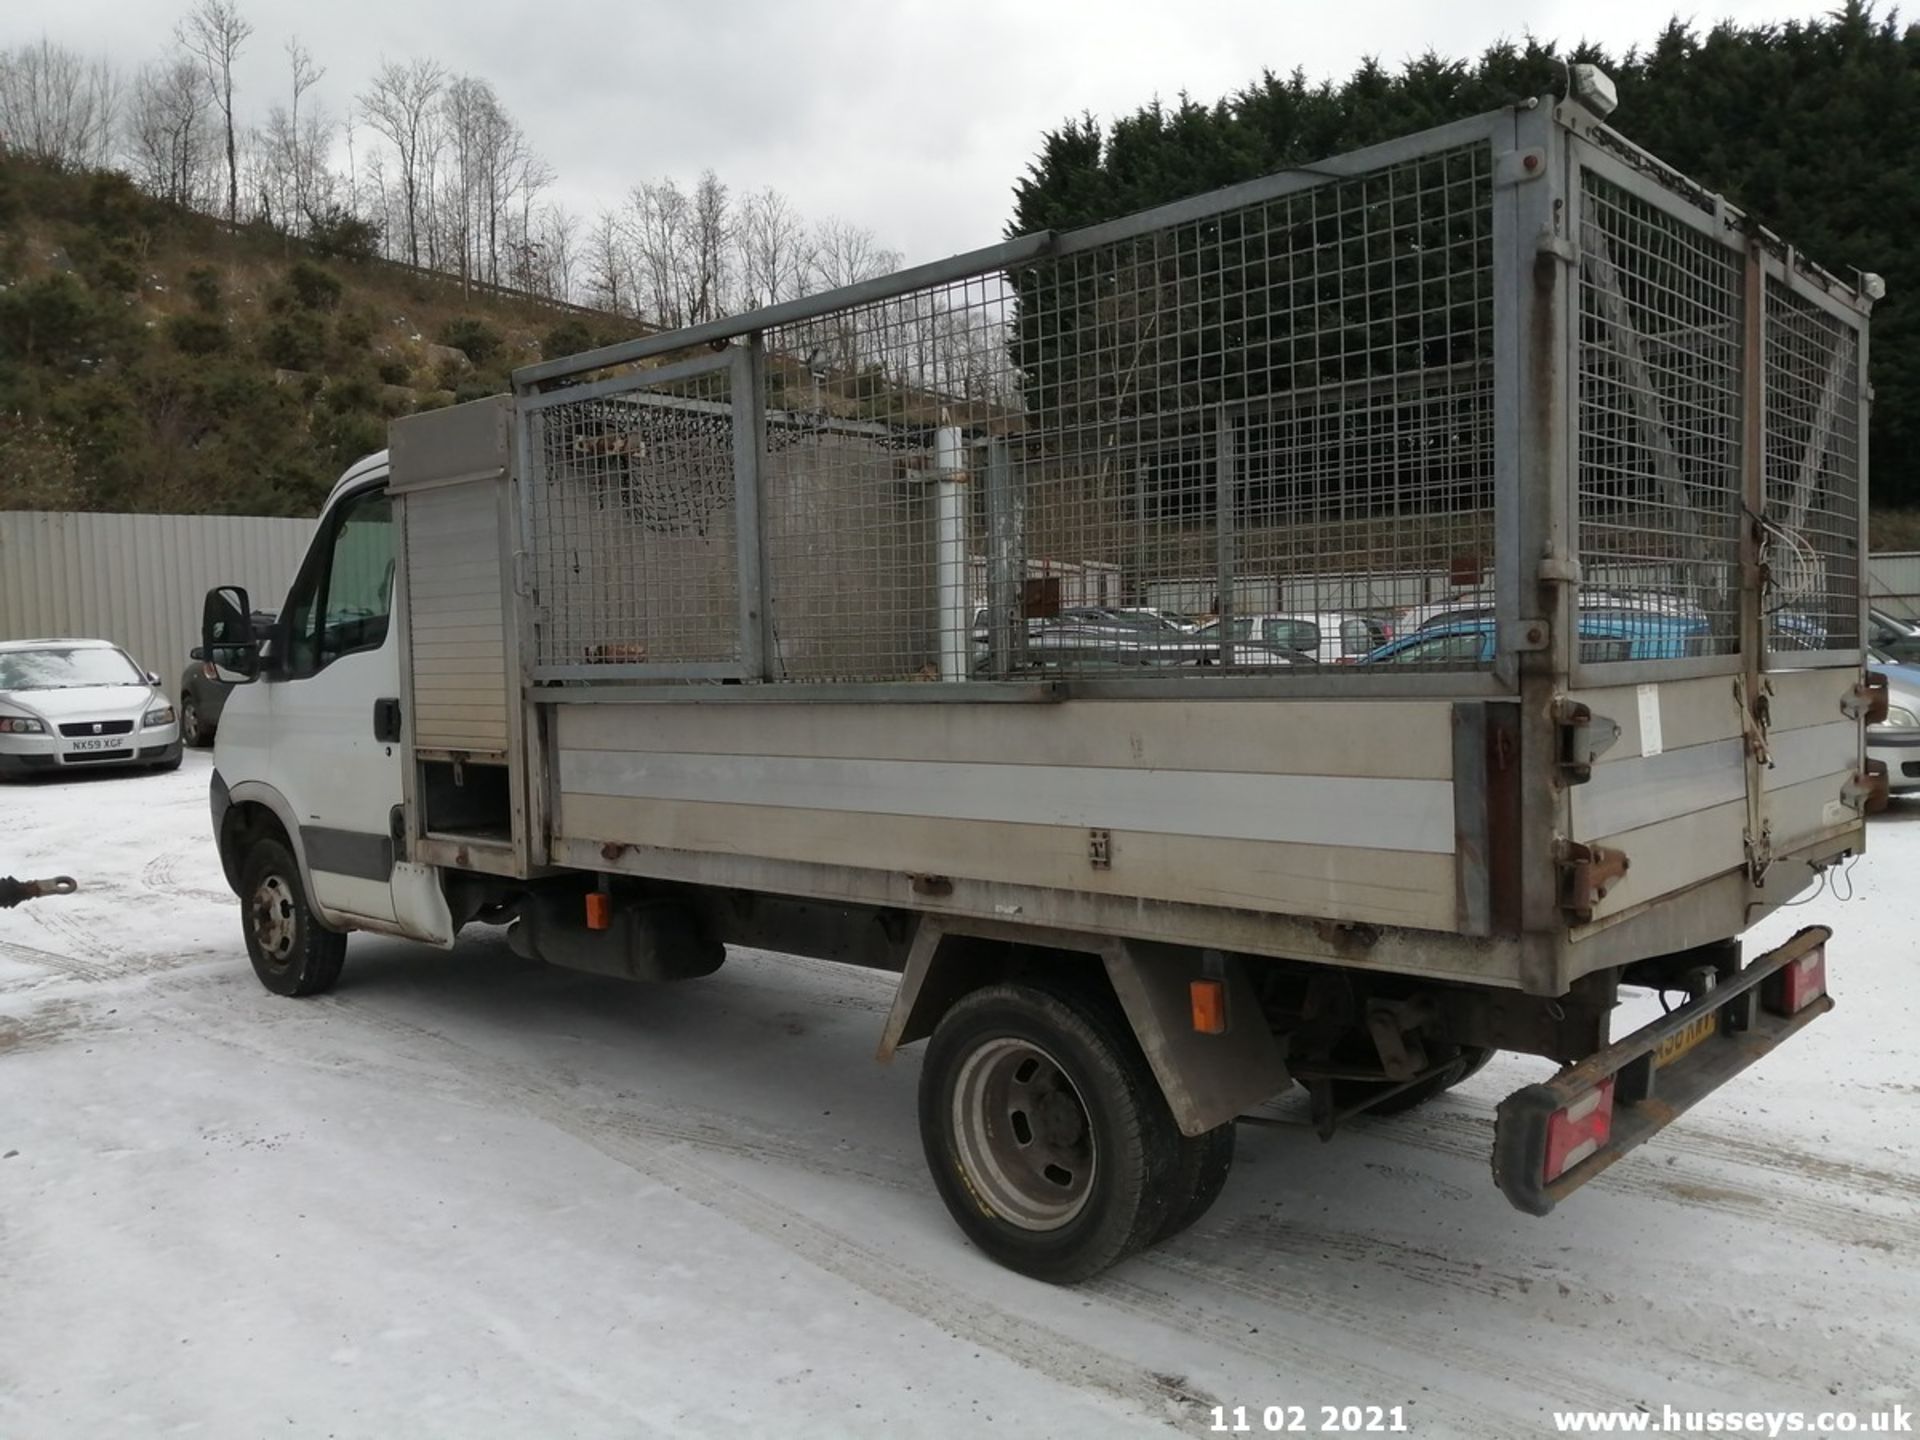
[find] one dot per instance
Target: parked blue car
(1603, 636)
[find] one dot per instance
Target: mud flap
(1208, 1079)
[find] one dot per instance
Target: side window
(1301, 635)
(345, 601)
(1440, 650)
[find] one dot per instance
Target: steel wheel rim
(1023, 1135)
(273, 919)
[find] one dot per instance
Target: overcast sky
(910, 117)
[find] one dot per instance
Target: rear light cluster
(1578, 1129)
(1797, 986)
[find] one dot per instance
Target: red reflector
(1802, 982)
(599, 911)
(1579, 1129)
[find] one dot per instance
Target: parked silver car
(1331, 637)
(68, 704)
(1895, 741)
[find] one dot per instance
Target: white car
(1334, 637)
(1895, 741)
(81, 704)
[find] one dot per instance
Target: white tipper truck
(848, 628)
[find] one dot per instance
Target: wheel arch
(1206, 1079)
(254, 809)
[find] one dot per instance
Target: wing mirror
(226, 631)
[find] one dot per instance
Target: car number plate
(1695, 1033)
(111, 743)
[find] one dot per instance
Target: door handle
(386, 721)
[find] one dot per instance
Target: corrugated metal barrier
(138, 580)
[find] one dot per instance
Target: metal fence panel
(138, 580)
(1894, 583)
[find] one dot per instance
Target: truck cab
(308, 758)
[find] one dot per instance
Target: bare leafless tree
(532, 175)
(293, 152)
(213, 33)
(306, 150)
(399, 104)
(558, 246)
(774, 249)
(56, 105)
(467, 107)
(165, 139)
(711, 292)
(610, 265)
(504, 160)
(659, 219)
(845, 254)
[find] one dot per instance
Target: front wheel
(290, 951)
(194, 731)
(1046, 1132)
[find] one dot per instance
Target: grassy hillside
(152, 360)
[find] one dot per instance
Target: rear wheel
(1199, 1175)
(1046, 1133)
(291, 953)
(1469, 1061)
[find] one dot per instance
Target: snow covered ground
(467, 1196)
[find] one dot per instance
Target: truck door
(336, 753)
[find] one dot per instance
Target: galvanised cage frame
(1512, 370)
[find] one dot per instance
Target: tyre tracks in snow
(1298, 1318)
(655, 1142)
(160, 877)
(1679, 1177)
(665, 1142)
(1280, 1268)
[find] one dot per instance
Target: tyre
(1046, 1133)
(290, 951)
(193, 730)
(1199, 1175)
(1469, 1061)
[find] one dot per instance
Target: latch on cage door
(1755, 717)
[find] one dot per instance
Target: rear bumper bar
(1659, 1072)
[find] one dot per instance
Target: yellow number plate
(1674, 1046)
